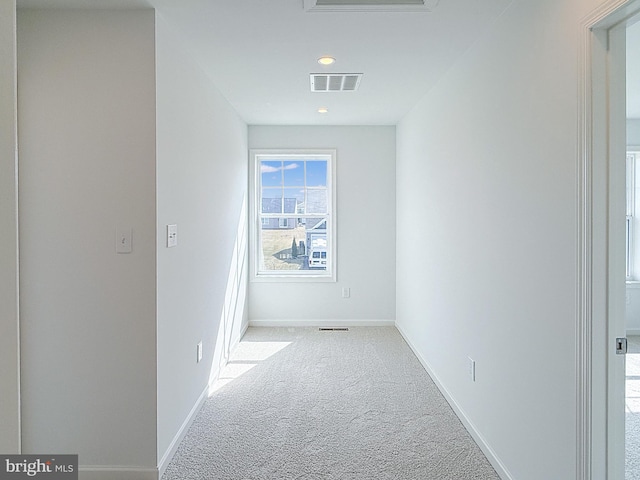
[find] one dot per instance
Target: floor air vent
(335, 82)
(333, 329)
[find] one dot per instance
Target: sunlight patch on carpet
(246, 356)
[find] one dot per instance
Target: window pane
(317, 173)
(630, 178)
(294, 200)
(316, 200)
(277, 239)
(271, 200)
(294, 174)
(629, 240)
(271, 172)
(317, 247)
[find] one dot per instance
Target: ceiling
(260, 53)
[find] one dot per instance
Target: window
(632, 184)
(292, 215)
(631, 196)
(632, 233)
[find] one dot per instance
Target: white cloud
(270, 169)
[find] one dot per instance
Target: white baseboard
(495, 462)
(321, 323)
(175, 443)
(182, 431)
(215, 375)
(633, 331)
(99, 472)
(237, 340)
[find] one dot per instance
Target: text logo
(49, 467)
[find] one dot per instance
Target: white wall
(495, 279)
(202, 185)
(87, 166)
(366, 229)
(632, 310)
(9, 339)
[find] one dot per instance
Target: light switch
(199, 351)
(172, 235)
(123, 240)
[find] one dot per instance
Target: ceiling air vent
(335, 82)
(369, 5)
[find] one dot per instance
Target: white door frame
(601, 288)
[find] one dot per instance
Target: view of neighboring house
(313, 244)
(274, 205)
(317, 244)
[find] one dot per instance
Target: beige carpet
(632, 412)
(300, 404)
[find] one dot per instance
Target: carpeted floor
(297, 403)
(632, 414)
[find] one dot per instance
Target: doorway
(605, 237)
(623, 429)
(632, 313)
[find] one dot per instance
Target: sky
(291, 173)
(294, 179)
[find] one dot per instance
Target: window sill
(292, 278)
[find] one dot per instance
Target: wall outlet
(199, 352)
(123, 240)
(346, 292)
(172, 235)
(472, 369)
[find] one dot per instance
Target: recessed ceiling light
(326, 60)
(323, 110)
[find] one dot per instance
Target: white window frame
(633, 156)
(255, 222)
